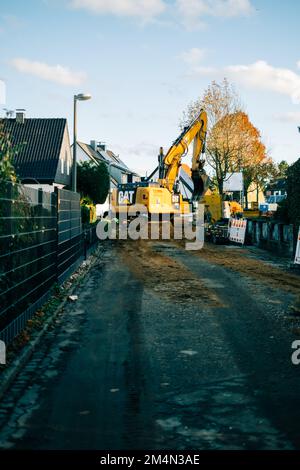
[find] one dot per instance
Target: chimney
(20, 116)
(94, 145)
(102, 146)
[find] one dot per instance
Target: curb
(7, 377)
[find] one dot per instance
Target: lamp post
(79, 97)
(109, 191)
(110, 164)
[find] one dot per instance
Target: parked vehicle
(217, 232)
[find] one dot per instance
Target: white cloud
(193, 56)
(259, 75)
(145, 9)
(194, 12)
(291, 116)
(193, 59)
(52, 73)
(263, 76)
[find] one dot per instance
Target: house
(117, 169)
(97, 152)
(277, 187)
(254, 196)
(44, 154)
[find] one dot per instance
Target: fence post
(10, 264)
(56, 192)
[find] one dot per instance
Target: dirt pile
(239, 260)
(165, 276)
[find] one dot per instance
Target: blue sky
(143, 61)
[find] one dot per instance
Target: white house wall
(64, 168)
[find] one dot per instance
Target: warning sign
(297, 256)
(237, 230)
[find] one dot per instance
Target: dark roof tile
(40, 141)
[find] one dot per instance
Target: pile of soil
(165, 276)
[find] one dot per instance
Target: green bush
(85, 214)
(7, 154)
(93, 181)
(282, 213)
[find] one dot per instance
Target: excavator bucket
(201, 183)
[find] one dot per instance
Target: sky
(144, 61)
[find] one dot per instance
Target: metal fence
(41, 242)
(69, 232)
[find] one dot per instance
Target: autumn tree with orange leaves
(233, 142)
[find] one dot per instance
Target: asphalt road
(164, 349)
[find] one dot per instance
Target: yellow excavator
(163, 196)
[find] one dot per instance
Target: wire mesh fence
(41, 242)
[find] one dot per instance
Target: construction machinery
(163, 196)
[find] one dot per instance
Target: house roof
(106, 156)
(88, 149)
(96, 157)
(115, 158)
(40, 141)
(277, 184)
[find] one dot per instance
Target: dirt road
(165, 348)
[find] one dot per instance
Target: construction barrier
(237, 230)
(297, 255)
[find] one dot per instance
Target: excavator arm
(196, 133)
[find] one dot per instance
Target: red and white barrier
(237, 230)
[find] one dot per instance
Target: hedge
(293, 190)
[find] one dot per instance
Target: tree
(282, 169)
(220, 102)
(258, 173)
(93, 181)
(233, 143)
(7, 153)
(251, 157)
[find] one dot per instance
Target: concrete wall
(271, 235)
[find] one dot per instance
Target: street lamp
(79, 97)
(110, 164)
